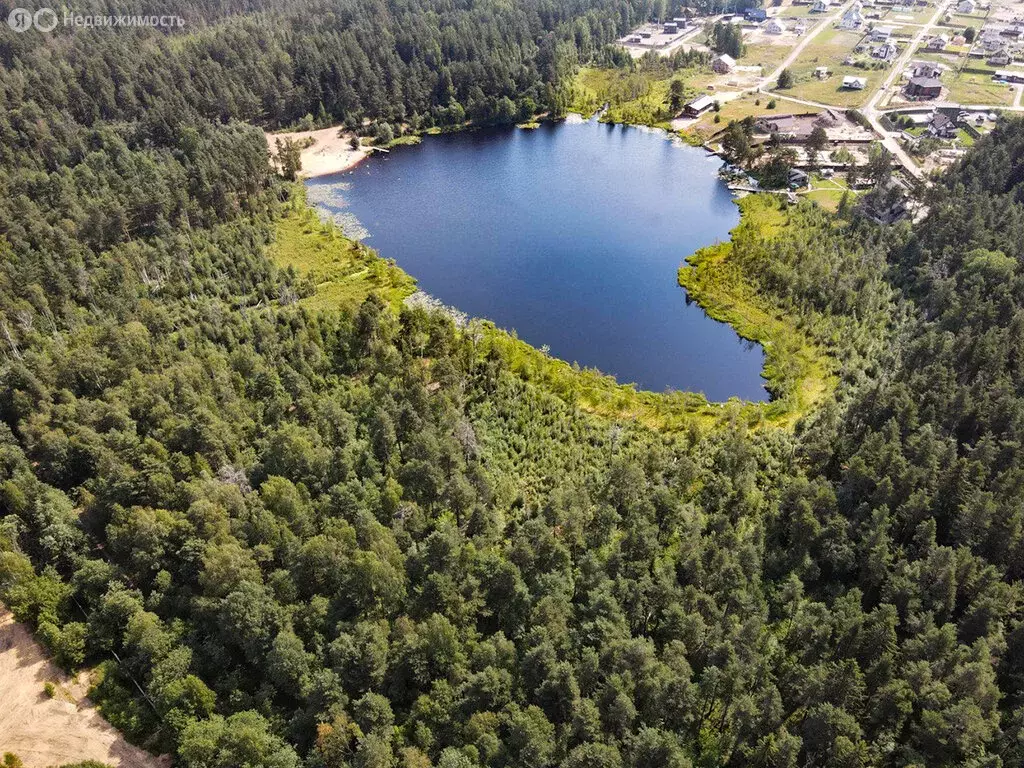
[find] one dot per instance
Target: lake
(570, 234)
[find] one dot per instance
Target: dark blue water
(570, 234)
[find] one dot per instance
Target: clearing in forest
(44, 730)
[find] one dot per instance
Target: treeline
(321, 62)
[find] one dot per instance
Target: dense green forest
(356, 537)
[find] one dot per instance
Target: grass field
(765, 55)
(737, 109)
(343, 271)
(922, 16)
(804, 12)
(830, 49)
(827, 192)
(977, 88)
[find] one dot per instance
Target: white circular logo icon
(45, 19)
(20, 20)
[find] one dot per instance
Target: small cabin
(723, 64)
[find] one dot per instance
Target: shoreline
(328, 154)
(790, 396)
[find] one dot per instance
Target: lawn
(830, 91)
(827, 192)
(828, 198)
(975, 88)
(804, 12)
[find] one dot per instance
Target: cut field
(65, 728)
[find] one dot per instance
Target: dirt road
(769, 79)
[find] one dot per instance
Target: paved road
(871, 112)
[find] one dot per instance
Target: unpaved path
(826, 23)
(48, 732)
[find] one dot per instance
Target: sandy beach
(329, 153)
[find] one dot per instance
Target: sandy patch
(65, 729)
(329, 153)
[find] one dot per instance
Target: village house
(942, 126)
(723, 64)
(821, 73)
(926, 69)
(820, 6)
(991, 40)
(881, 34)
(1005, 76)
(1014, 31)
(798, 178)
(965, 6)
(671, 28)
(886, 52)
(853, 18)
(774, 27)
(855, 83)
(755, 14)
(1000, 58)
(937, 43)
(924, 88)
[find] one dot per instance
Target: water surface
(570, 234)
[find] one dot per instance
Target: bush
(49, 690)
(771, 104)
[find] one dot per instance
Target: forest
(353, 537)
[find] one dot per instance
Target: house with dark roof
(723, 64)
(926, 69)
(942, 126)
(924, 88)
